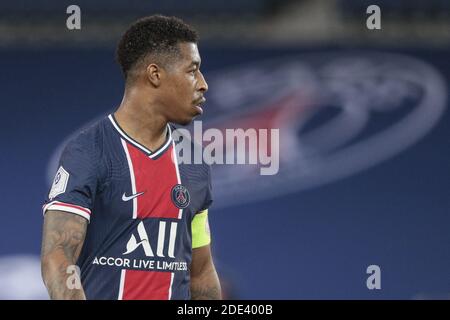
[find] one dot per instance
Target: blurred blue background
(364, 127)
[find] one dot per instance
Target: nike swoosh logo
(128, 198)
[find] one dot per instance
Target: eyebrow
(195, 63)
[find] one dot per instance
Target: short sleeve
(75, 183)
(208, 194)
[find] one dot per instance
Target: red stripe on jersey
(72, 206)
(156, 178)
(146, 285)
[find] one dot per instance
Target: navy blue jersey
(139, 204)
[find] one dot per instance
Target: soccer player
(121, 208)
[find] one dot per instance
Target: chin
(184, 122)
(186, 117)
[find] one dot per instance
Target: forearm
(206, 286)
(62, 240)
(61, 284)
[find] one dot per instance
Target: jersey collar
(151, 154)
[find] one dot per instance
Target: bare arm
(62, 240)
(205, 283)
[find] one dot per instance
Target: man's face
(184, 86)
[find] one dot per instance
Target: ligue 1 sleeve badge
(180, 196)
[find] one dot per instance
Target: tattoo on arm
(205, 284)
(62, 240)
(202, 292)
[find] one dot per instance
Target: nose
(202, 85)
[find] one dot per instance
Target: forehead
(189, 53)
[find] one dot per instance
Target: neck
(140, 121)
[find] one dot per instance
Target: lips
(198, 105)
(200, 102)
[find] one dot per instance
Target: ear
(153, 73)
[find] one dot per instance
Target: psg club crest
(180, 196)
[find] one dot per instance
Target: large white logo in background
(338, 114)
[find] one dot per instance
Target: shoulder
(85, 149)
(89, 140)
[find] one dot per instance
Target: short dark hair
(156, 34)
